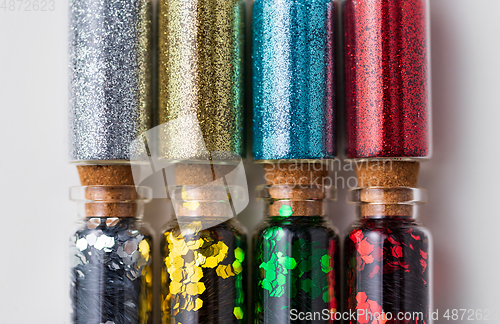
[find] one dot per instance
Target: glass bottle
(200, 80)
(387, 79)
(111, 256)
(203, 277)
(388, 258)
(110, 80)
(296, 258)
(293, 65)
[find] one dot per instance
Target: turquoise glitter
(293, 79)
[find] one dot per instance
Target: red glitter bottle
(388, 258)
(387, 80)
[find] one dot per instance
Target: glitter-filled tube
(388, 258)
(204, 272)
(296, 257)
(387, 79)
(293, 80)
(110, 72)
(112, 278)
(200, 79)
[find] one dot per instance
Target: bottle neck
(108, 202)
(110, 222)
(396, 202)
(374, 211)
(292, 208)
(289, 201)
(211, 201)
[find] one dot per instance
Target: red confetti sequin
(424, 264)
(423, 254)
(386, 71)
(356, 236)
(397, 251)
(369, 308)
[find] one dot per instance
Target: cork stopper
(387, 173)
(390, 175)
(295, 188)
(105, 175)
(111, 201)
(200, 174)
(203, 201)
(387, 210)
(395, 202)
(110, 190)
(201, 190)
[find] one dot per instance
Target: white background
(463, 176)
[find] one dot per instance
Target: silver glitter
(110, 222)
(121, 253)
(130, 247)
(111, 257)
(76, 257)
(104, 241)
(91, 238)
(110, 69)
(93, 222)
(81, 244)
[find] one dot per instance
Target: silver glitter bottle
(110, 77)
(111, 256)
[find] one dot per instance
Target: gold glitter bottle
(204, 272)
(201, 79)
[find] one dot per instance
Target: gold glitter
(144, 249)
(185, 276)
(198, 305)
(200, 78)
(224, 271)
(191, 205)
(146, 297)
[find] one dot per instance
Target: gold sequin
(144, 249)
(186, 272)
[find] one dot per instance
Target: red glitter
(356, 236)
(396, 276)
(423, 254)
(397, 251)
(386, 66)
(424, 264)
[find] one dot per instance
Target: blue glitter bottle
(293, 134)
(293, 80)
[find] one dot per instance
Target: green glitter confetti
(326, 296)
(325, 263)
(286, 211)
(294, 266)
(238, 313)
(239, 254)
